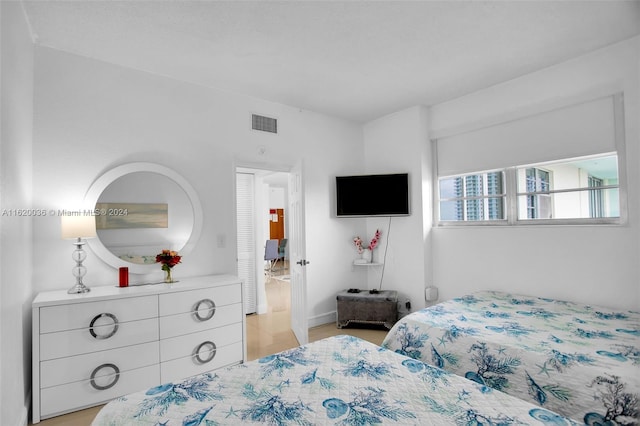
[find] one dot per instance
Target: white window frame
(621, 219)
(504, 196)
(510, 176)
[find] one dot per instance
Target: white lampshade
(78, 226)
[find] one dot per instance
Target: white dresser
(90, 348)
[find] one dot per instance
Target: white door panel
(297, 256)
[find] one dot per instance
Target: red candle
(124, 276)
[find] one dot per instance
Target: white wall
(277, 198)
(398, 143)
(16, 87)
(597, 265)
(91, 116)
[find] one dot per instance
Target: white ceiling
(353, 59)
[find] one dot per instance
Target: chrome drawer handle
(211, 355)
(211, 307)
(96, 318)
(100, 367)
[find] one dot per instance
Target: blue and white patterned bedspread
(340, 380)
(580, 361)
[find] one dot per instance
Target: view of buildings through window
(581, 188)
(473, 197)
(538, 205)
(596, 200)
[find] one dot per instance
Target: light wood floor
(266, 334)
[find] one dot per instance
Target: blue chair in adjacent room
(271, 254)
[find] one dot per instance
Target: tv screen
(372, 195)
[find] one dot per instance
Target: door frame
(262, 167)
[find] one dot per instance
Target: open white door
(297, 258)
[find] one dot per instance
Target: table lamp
(77, 228)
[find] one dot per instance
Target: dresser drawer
(199, 300)
(97, 314)
(73, 396)
(189, 322)
(83, 367)
(189, 344)
(188, 366)
(83, 341)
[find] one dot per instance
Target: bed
(580, 361)
(340, 380)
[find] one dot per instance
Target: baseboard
(329, 317)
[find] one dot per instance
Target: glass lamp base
(78, 288)
(78, 271)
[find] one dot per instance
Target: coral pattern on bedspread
(580, 361)
(340, 380)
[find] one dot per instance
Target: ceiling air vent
(264, 124)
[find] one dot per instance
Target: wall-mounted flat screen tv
(372, 195)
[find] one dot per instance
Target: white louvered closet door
(245, 208)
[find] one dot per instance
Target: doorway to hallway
(262, 197)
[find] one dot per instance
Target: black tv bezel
(395, 213)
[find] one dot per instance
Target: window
(574, 189)
(538, 205)
(475, 197)
(558, 164)
(577, 190)
(596, 203)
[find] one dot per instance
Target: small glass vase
(168, 278)
(367, 255)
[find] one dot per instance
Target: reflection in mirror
(144, 208)
(145, 213)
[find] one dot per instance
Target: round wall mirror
(142, 209)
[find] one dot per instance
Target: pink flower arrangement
(374, 242)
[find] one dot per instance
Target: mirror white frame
(102, 182)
